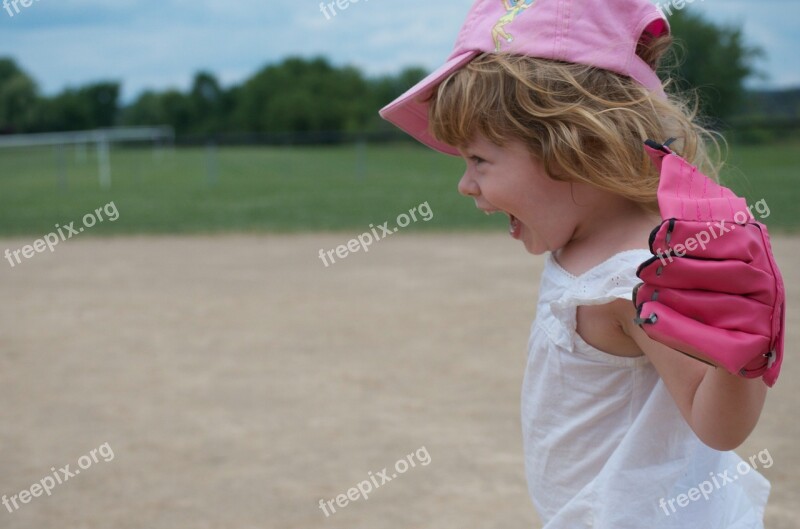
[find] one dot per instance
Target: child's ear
(555, 171)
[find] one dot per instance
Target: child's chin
(534, 247)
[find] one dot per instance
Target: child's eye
(477, 159)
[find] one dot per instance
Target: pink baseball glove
(712, 289)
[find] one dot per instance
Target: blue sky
(162, 43)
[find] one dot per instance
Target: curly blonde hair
(583, 123)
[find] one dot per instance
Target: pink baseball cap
(599, 33)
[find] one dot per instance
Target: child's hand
(712, 289)
(722, 409)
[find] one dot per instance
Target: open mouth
(514, 224)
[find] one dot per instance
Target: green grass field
(294, 189)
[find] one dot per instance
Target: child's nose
(467, 186)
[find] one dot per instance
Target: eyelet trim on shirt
(559, 268)
(612, 279)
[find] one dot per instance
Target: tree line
(296, 95)
(312, 95)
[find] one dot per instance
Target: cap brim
(409, 112)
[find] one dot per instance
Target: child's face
(543, 213)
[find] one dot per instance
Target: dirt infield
(239, 381)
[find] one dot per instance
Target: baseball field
(182, 357)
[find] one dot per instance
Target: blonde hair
(583, 123)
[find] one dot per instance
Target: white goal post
(100, 137)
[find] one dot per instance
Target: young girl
(619, 431)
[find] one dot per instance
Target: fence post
(212, 165)
(103, 163)
(62, 167)
(361, 158)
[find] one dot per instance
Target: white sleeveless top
(604, 441)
